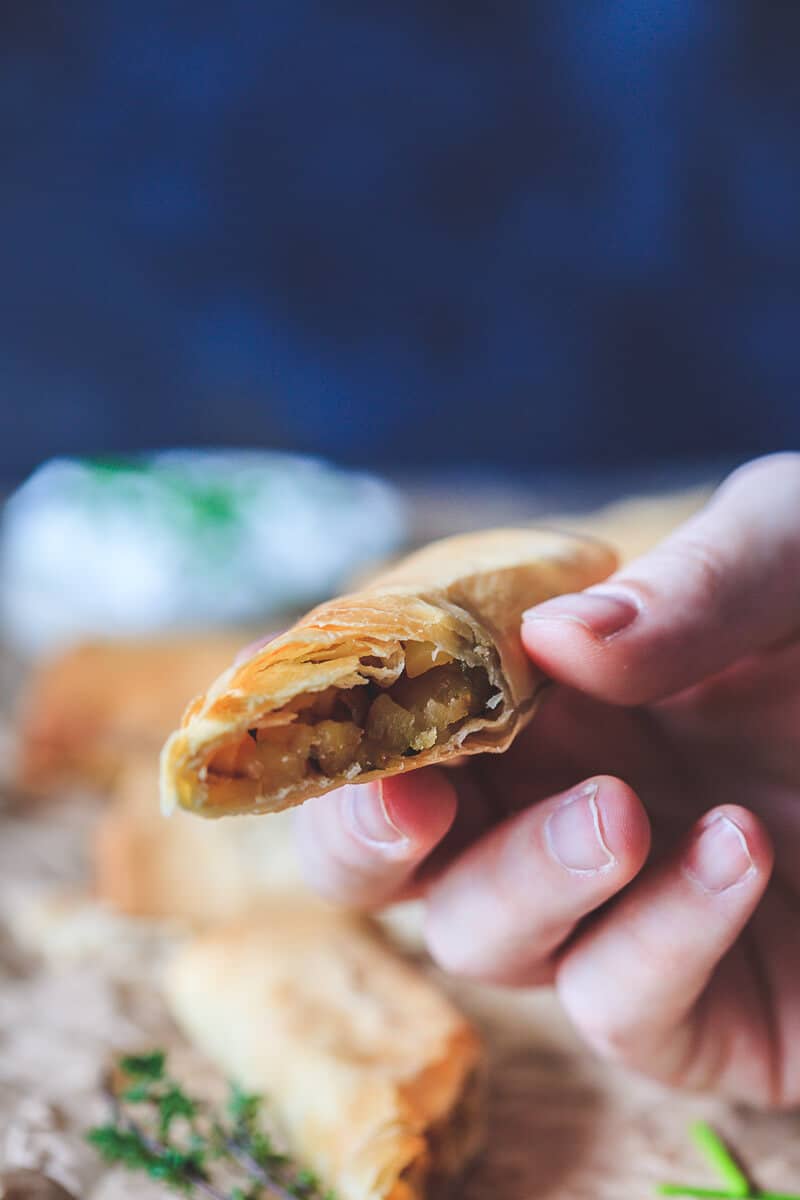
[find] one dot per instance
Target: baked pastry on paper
(374, 1076)
(88, 709)
(189, 870)
(424, 664)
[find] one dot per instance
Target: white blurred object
(182, 538)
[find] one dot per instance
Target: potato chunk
(422, 657)
(335, 744)
(283, 753)
(365, 725)
(437, 699)
(389, 726)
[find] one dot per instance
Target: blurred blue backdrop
(516, 233)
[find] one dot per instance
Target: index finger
(723, 586)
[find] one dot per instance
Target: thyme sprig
(180, 1141)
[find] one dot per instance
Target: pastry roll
(634, 525)
(202, 872)
(424, 664)
(374, 1076)
(189, 870)
(84, 711)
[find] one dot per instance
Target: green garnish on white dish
(120, 547)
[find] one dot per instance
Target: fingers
(726, 584)
(632, 981)
(511, 900)
(359, 845)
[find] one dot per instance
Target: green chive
(720, 1159)
(685, 1189)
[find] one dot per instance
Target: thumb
(724, 585)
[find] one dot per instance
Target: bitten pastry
(374, 1076)
(88, 709)
(424, 664)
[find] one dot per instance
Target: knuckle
(707, 568)
(784, 464)
(609, 1028)
(535, 924)
(506, 962)
(704, 570)
(654, 956)
(611, 1039)
(625, 1023)
(449, 952)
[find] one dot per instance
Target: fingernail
(719, 856)
(368, 815)
(574, 834)
(602, 613)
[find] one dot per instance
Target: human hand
(622, 849)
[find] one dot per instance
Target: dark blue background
(522, 234)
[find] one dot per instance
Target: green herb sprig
(178, 1140)
(734, 1183)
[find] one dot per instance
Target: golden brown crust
(369, 1067)
(465, 596)
(86, 710)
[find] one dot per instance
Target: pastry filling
(363, 728)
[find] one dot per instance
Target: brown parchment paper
(78, 983)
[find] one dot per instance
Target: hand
(623, 848)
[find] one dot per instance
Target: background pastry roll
(375, 1077)
(193, 871)
(87, 710)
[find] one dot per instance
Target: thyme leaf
(178, 1140)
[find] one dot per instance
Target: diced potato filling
(334, 745)
(366, 726)
(390, 726)
(421, 656)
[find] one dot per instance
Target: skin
(638, 848)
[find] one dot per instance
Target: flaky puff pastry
(88, 709)
(459, 600)
(374, 1076)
